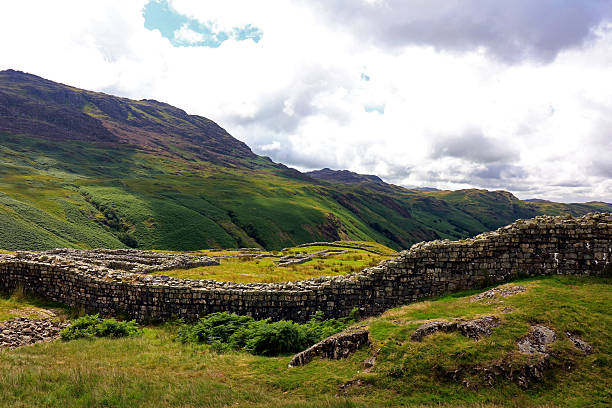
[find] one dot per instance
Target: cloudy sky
(496, 94)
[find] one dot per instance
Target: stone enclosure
(540, 246)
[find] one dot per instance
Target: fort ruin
(541, 246)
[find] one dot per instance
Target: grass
(155, 370)
(248, 269)
(18, 304)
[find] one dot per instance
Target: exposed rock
(474, 329)
(579, 343)
(478, 328)
(523, 375)
(23, 331)
(431, 328)
(292, 260)
(499, 292)
(537, 341)
(336, 347)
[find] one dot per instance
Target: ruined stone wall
(541, 246)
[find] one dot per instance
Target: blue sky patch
(365, 77)
(184, 31)
(375, 108)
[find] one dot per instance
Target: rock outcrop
(579, 343)
(499, 292)
(336, 347)
(537, 341)
(474, 329)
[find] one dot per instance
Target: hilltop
(87, 169)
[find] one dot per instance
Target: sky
(498, 94)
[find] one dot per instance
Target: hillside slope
(86, 169)
(117, 372)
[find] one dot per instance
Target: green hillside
(85, 169)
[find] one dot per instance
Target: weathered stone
(23, 331)
(524, 374)
(288, 260)
(133, 260)
(474, 329)
(336, 347)
(346, 388)
(478, 328)
(431, 328)
(537, 341)
(579, 343)
(499, 292)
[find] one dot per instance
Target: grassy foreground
(249, 269)
(154, 370)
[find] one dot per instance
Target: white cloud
(275, 145)
(185, 35)
(298, 94)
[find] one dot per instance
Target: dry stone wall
(540, 246)
(133, 260)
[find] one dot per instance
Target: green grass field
(155, 370)
(248, 269)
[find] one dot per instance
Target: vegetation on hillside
(90, 326)
(228, 331)
(156, 370)
(85, 169)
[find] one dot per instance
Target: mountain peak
(344, 176)
(31, 105)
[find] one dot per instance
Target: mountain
(425, 189)
(344, 176)
(86, 169)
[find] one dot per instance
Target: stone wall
(541, 246)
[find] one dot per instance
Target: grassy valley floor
(154, 370)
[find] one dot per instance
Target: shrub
(94, 326)
(215, 327)
(228, 331)
(272, 339)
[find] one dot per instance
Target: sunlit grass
(250, 269)
(155, 370)
(18, 304)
